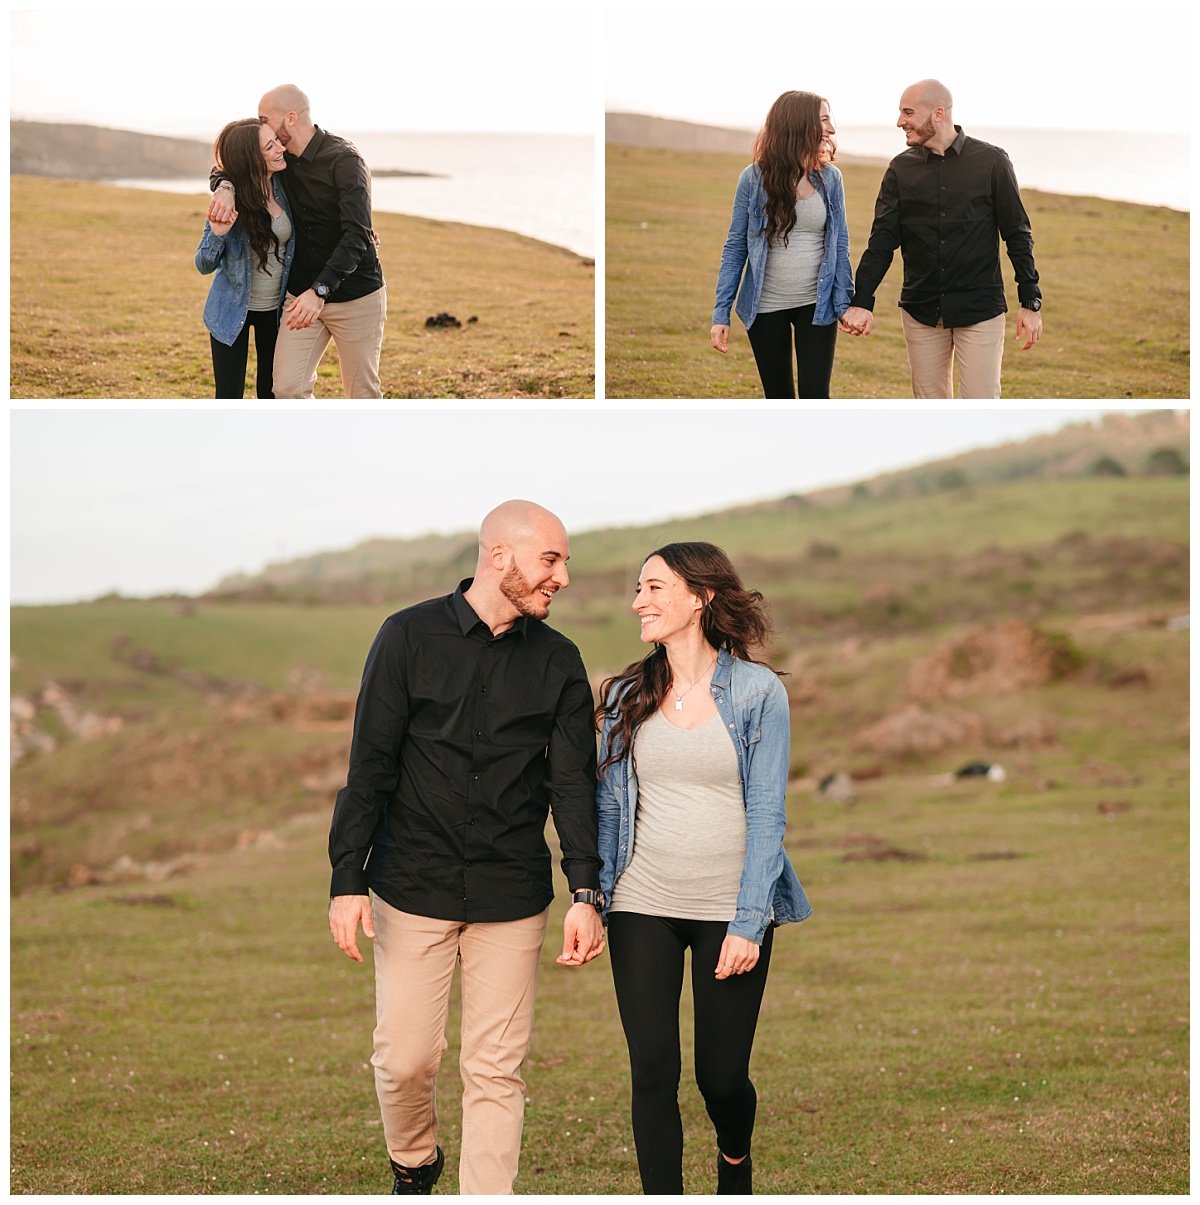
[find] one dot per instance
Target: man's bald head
(285, 110)
(514, 523)
(925, 115)
(523, 552)
(931, 93)
(287, 98)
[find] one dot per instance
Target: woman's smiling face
(663, 602)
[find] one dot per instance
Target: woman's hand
(738, 954)
(719, 338)
(222, 228)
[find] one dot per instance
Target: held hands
(583, 936)
(304, 311)
(719, 338)
(738, 955)
(1029, 327)
(345, 912)
(856, 321)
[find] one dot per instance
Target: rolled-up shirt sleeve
(571, 757)
(353, 183)
(882, 244)
(1013, 223)
(380, 719)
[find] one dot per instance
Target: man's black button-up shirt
(329, 189)
(463, 741)
(947, 213)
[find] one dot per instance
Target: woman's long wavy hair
(733, 618)
(787, 148)
(238, 153)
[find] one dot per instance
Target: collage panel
(395, 205)
(917, 679)
(886, 216)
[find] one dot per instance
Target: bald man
(335, 288)
(474, 721)
(945, 202)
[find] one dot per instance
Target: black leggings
(229, 363)
(647, 963)
(771, 339)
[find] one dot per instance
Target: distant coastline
(1084, 163)
(68, 151)
(538, 185)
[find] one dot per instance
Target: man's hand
(304, 311)
(1029, 327)
(222, 208)
(583, 936)
(738, 955)
(345, 912)
(856, 321)
(719, 338)
(221, 228)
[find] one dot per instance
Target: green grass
(945, 1025)
(1005, 1011)
(667, 214)
(130, 252)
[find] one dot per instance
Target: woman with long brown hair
(250, 255)
(789, 249)
(694, 756)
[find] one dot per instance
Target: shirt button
(474, 777)
(467, 865)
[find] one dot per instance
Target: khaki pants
(932, 351)
(357, 329)
(415, 958)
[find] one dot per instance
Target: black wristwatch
(1034, 305)
(585, 895)
(322, 291)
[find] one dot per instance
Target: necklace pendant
(678, 703)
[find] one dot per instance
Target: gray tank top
(264, 283)
(689, 839)
(790, 277)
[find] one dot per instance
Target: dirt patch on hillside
(915, 730)
(320, 711)
(993, 659)
(28, 716)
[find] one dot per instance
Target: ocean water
(1150, 169)
(541, 185)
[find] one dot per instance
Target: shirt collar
(723, 670)
(468, 620)
(314, 144)
(956, 146)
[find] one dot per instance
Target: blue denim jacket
(746, 247)
(754, 705)
(229, 256)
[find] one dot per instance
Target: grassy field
(991, 995)
(1101, 264)
(106, 303)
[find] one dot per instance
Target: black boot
(733, 1179)
(417, 1179)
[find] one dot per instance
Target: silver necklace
(680, 697)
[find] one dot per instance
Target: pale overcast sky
(185, 70)
(154, 500)
(1048, 64)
